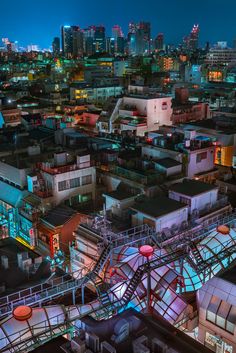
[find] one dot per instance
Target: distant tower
(118, 36)
(67, 40)
(194, 37)
(56, 47)
(99, 39)
(117, 32)
(159, 41)
(139, 38)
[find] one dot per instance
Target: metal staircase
(132, 286)
(45, 292)
(105, 306)
(196, 254)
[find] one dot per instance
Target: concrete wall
(198, 202)
(203, 166)
(166, 221)
(14, 175)
(157, 110)
(169, 171)
(60, 196)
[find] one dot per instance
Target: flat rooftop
(157, 207)
(211, 125)
(167, 162)
(191, 187)
(119, 194)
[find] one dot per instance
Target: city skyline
(44, 20)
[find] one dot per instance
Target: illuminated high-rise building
(119, 41)
(67, 40)
(78, 42)
(117, 32)
(194, 37)
(56, 46)
(72, 41)
(88, 37)
(120, 45)
(110, 45)
(99, 39)
(139, 37)
(191, 42)
(159, 41)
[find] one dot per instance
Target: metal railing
(179, 247)
(61, 285)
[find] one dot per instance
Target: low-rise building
(80, 92)
(159, 213)
(64, 180)
(139, 113)
(56, 227)
(197, 195)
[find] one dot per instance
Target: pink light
(146, 250)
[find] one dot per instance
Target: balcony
(54, 170)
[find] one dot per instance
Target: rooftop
(11, 195)
(119, 194)
(59, 215)
(157, 207)
(167, 162)
(192, 187)
(212, 125)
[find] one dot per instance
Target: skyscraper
(67, 40)
(159, 41)
(110, 45)
(99, 39)
(56, 46)
(72, 41)
(88, 36)
(139, 37)
(194, 37)
(190, 42)
(78, 41)
(118, 36)
(117, 32)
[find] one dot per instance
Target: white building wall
(157, 110)
(13, 174)
(203, 166)
(166, 221)
(60, 196)
(198, 202)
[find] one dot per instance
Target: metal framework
(184, 241)
(108, 303)
(45, 292)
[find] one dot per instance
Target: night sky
(38, 21)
